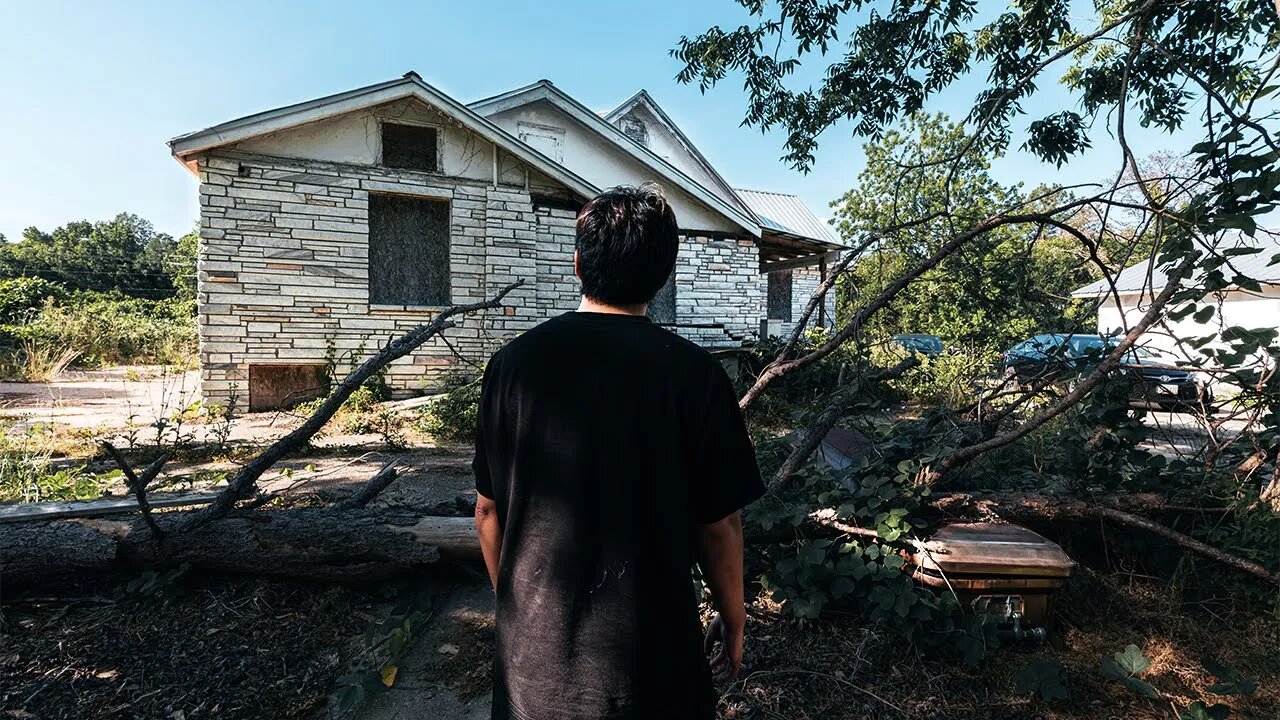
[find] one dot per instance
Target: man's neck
(592, 306)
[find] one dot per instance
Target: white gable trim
(642, 97)
(411, 85)
(546, 91)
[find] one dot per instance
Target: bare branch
(376, 484)
(932, 474)
(242, 484)
(138, 485)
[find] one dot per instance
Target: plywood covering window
(408, 250)
(413, 147)
(662, 309)
(780, 295)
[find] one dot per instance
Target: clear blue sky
(90, 91)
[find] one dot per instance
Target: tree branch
(138, 485)
(243, 482)
(376, 484)
(930, 475)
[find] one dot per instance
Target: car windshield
(1087, 345)
(919, 342)
(1148, 354)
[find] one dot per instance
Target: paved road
(1183, 434)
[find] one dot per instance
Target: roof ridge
(766, 192)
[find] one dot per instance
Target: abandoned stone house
(329, 226)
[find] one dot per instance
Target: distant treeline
(122, 254)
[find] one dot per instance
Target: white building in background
(1137, 285)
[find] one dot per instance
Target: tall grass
(95, 329)
(37, 362)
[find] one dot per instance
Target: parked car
(927, 345)
(1057, 357)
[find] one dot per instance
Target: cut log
(324, 544)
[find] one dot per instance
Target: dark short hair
(627, 242)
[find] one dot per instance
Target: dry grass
(38, 362)
(219, 648)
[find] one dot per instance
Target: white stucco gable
(645, 122)
(600, 152)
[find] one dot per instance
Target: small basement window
(780, 295)
(408, 250)
(279, 387)
(662, 308)
(413, 147)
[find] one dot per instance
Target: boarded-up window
(414, 147)
(662, 308)
(780, 295)
(408, 250)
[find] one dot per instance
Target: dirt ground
(188, 647)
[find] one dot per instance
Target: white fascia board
(373, 95)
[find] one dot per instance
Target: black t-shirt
(604, 439)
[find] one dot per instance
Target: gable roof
(411, 85)
(644, 99)
(1145, 277)
(547, 91)
(787, 214)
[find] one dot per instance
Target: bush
(948, 380)
(796, 392)
(21, 298)
(452, 415)
(110, 328)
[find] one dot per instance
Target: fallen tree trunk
(324, 544)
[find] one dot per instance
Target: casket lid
(991, 549)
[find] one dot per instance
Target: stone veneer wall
(718, 291)
(283, 268)
(283, 271)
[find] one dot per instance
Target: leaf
(1132, 661)
(842, 586)
(1043, 677)
(1198, 711)
(1230, 681)
(389, 675)
(1141, 687)
(447, 649)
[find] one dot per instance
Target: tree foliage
(124, 253)
(1004, 286)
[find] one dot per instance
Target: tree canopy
(1002, 287)
(124, 253)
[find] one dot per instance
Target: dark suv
(1057, 357)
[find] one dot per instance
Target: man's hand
(727, 661)
(719, 546)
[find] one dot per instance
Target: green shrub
(949, 380)
(452, 415)
(110, 328)
(21, 298)
(27, 474)
(794, 393)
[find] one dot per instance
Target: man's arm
(720, 557)
(490, 534)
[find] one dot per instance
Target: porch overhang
(787, 251)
